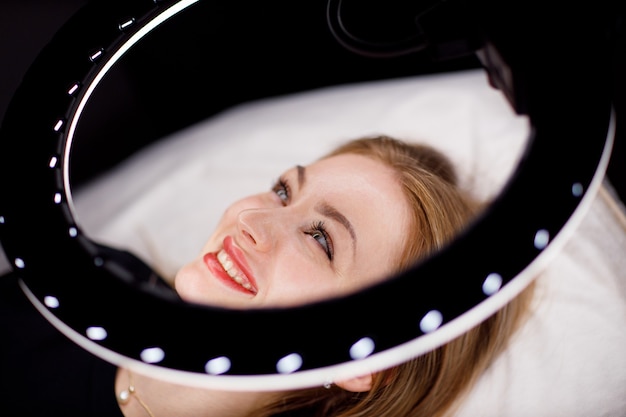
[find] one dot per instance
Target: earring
(328, 384)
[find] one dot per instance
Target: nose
(257, 228)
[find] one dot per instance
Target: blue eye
(282, 194)
(318, 232)
(281, 189)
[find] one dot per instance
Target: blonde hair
(428, 179)
(433, 383)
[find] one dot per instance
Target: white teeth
(232, 271)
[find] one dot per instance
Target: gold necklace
(124, 396)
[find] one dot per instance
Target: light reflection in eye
(289, 363)
(19, 262)
(217, 366)
(362, 349)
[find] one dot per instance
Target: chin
(186, 283)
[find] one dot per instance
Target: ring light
(97, 298)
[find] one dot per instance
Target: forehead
(352, 165)
(352, 176)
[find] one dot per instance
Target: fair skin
(316, 234)
(278, 255)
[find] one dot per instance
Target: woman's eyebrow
(301, 175)
(327, 210)
(331, 212)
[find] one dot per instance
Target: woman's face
(324, 230)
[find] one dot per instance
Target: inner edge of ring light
(136, 37)
(377, 361)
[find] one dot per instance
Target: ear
(357, 384)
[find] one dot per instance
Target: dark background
(26, 26)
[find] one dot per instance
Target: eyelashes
(282, 190)
(316, 230)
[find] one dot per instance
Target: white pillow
(567, 360)
(164, 203)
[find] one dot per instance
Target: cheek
(187, 282)
(377, 263)
(297, 280)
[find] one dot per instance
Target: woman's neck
(149, 397)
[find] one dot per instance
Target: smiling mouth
(233, 272)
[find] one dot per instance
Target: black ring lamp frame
(557, 74)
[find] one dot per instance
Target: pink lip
(215, 267)
(239, 259)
